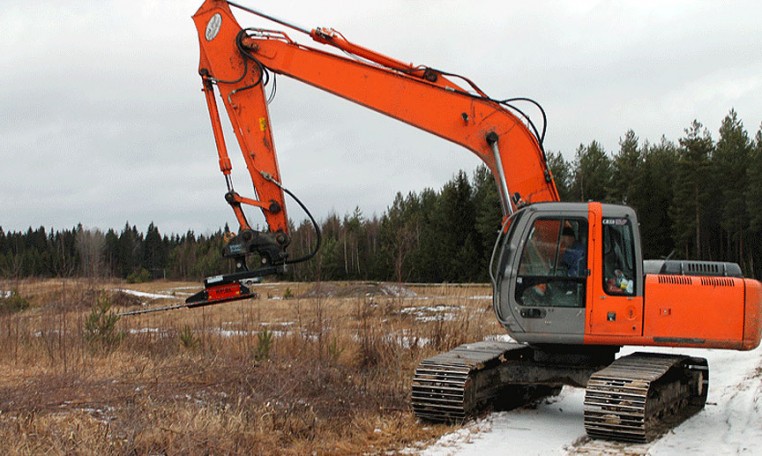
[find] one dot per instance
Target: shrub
(334, 349)
(12, 302)
(100, 327)
(139, 276)
(264, 344)
(188, 339)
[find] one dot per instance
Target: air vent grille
(675, 280)
(717, 282)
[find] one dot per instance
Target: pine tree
(426, 259)
(592, 173)
(456, 219)
(651, 197)
(754, 189)
(625, 167)
(690, 190)
(729, 167)
(111, 251)
(154, 253)
(563, 175)
(351, 233)
(129, 252)
(754, 205)
(488, 218)
(399, 236)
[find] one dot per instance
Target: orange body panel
(752, 328)
(683, 311)
(615, 316)
(701, 310)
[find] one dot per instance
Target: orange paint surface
(707, 308)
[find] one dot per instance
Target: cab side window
(553, 264)
(618, 257)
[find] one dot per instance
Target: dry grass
(327, 371)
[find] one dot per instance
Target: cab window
(553, 264)
(618, 257)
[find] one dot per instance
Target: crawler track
(448, 387)
(640, 396)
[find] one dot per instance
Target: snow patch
(480, 297)
(500, 338)
(526, 431)
(439, 312)
(147, 331)
(397, 291)
(141, 294)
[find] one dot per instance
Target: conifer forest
(698, 197)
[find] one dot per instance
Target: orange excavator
(570, 284)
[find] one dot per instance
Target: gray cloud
(104, 121)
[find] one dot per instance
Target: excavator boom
(239, 62)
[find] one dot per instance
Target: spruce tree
(625, 167)
(651, 196)
(687, 209)
(563, 175)
(592, 174)
(754, 188)
(754, 205)
(729, 169)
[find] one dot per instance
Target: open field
(319, 368)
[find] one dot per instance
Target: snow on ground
(731, 422)
(141, 294)
(398, 291)
(440, 312)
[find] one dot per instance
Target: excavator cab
(560, 264)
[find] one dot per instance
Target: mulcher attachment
(219, 293)
(228, 287)
(217, 289)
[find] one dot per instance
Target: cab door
(550, 288)
(615, 288)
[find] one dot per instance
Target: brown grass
(325, 372)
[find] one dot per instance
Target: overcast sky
(103, 120)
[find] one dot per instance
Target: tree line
(129, 254)
(698, 198)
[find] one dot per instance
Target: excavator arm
(240, 63)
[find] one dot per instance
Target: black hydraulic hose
(312, 219)
(263, 74)
(481, 95)
(538, 105)
(532, 125)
